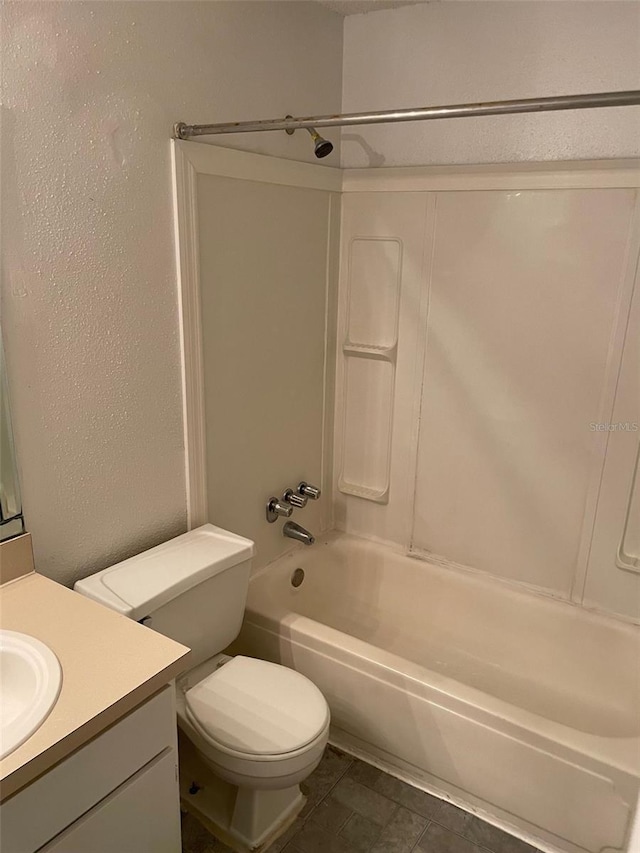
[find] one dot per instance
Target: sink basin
(31, 677)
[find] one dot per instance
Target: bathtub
(516, 706)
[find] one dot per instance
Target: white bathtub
(513, 704)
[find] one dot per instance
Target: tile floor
(353, 807)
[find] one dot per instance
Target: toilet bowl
(250, 731)
(255, 723)
(257, 728)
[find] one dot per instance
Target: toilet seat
(257, 711)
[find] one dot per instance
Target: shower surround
(488, 351)
(471, 617)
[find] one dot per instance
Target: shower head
(321, 146)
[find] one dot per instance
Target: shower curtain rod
(487, 108)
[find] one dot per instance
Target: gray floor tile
(439, 839)
(194, 835)
(401, 833)
(360, 832)
(497, 840)
(281, 843)
(197, 839)
(218, 847)
(365, 801)
(312, 838)
(365, 773)
(452, 817)
(355, 808)
(331, 814)
(333, 766)
(411, 798)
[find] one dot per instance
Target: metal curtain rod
(487, 108)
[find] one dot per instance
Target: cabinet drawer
(54, 801)
(142, 815)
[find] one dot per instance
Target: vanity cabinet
(117, 794)
(131, 818)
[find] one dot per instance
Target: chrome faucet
(295, 531)
(294, 499)
(276, 508)
(309, 491)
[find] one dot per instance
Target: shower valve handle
(276, 508)
(309, 491)
(294, 498)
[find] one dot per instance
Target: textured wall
(89, 307)
(440, 53)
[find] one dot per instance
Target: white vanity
(100, 773)
(117, 793)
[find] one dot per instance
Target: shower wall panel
(519, 330)
(265, 283)
(612, 579)
(512, 313)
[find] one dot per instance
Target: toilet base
(245, 819)
(259, 816)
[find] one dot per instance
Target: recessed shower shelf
(369, 354)
(367, 351)
(369, 381)
(628, 556)
(380, 496)
(628, 562)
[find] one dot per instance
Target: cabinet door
(141, 816)
(79, 782)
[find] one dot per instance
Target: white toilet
(254, 730)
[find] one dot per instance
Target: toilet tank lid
(138, 586)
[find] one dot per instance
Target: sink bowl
(31, 677)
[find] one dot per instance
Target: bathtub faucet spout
(296, 531)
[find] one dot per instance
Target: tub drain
(297, 577)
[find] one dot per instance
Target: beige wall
(266, 286)
(448, 53)
(89, 305)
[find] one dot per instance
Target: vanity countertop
(110, 664)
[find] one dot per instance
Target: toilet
(250, 731)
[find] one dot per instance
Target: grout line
(340, 777)
(421, 836)
(324, 797)
(345, 822)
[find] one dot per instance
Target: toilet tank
(192, 588)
